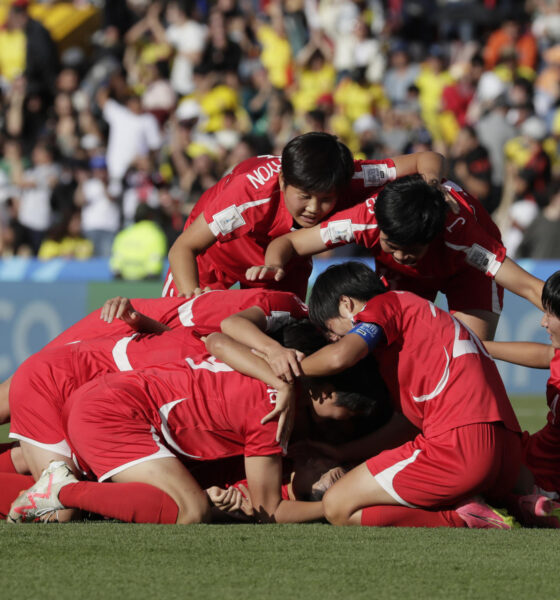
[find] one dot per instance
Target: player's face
(552, 325)
(339, 326)
(308, 208)
(325, 407)
(404, 255)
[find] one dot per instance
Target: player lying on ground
(267, 196)
(444, 382)
(202, 410)
(118, 322)
(419, 245)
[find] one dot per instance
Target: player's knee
(192, 513)
(335, 511)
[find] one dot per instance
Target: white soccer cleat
(41, 499)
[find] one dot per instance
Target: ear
(282, 182)
(346, 306)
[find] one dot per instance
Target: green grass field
(115, 560)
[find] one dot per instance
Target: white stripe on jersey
(164, 414)
(119, 353)
(342, 231)
(385, 478)
(168, 283)
(478, 257)
(439, 387)
(496, 308)
(231, 218)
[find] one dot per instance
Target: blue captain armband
(371, 333)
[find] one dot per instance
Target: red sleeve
(245, 200)
(369, 177)
(357, 224)
(383, 310)
(469, 233)
(260, 440)
(281, 308)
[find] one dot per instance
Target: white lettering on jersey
(458, 220)
(264, 173)
(377, 175)
(370, 203)
(212, 364)
(271, 394)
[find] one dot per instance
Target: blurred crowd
(123, 133)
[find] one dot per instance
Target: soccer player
(123, 428)
(419, 245)
(541, 450)
(442, 380)
(267, 196)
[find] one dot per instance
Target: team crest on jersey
(340, 231)
(480, 258)
(229, 219)
(375, 175)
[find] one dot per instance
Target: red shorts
(37, 393)
(106, 435)
(483, 458)
(542, 455)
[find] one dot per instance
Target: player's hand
(226, 500)
(284, 409)
(265, 272)
(119, 308)
(285, 362)
(449, 200)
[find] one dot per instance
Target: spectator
(400, 75)
(140, 250)
(541, 239)
(100, 213)
(64, 240)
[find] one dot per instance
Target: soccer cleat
(539, 511)
(41, 499)
(479, 515)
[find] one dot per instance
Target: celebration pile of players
(372, 407)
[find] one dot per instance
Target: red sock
(403, 516)
(6, 464)
(11, 484)
(130, 502)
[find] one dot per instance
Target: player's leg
(38, 457)
(5, 401)
(171, 477)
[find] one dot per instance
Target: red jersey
(438, 372)
(246, 210)
(469, 239)
(203, 409)
(553, 389)
(203, 313)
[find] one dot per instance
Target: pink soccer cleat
(479, 515)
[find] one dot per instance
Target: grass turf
(115, 560)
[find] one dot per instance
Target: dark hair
(317, 162)
(410, 211)
(353, 279)
(302, 336)
(551, 294)
(359, 388)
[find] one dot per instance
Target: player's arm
(344, 353)
(431, 165)
(515, 279)
(182, 255)
(264, 478)
(121, 308)
(526, 354)
(281, 250)
(248, 327)
(239, 357)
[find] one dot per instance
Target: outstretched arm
(182, 255)
(515, 279)
(264, 476)
(334, 358)
(282, 249)
(431, 165)
(526, 354)
(121, 308)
